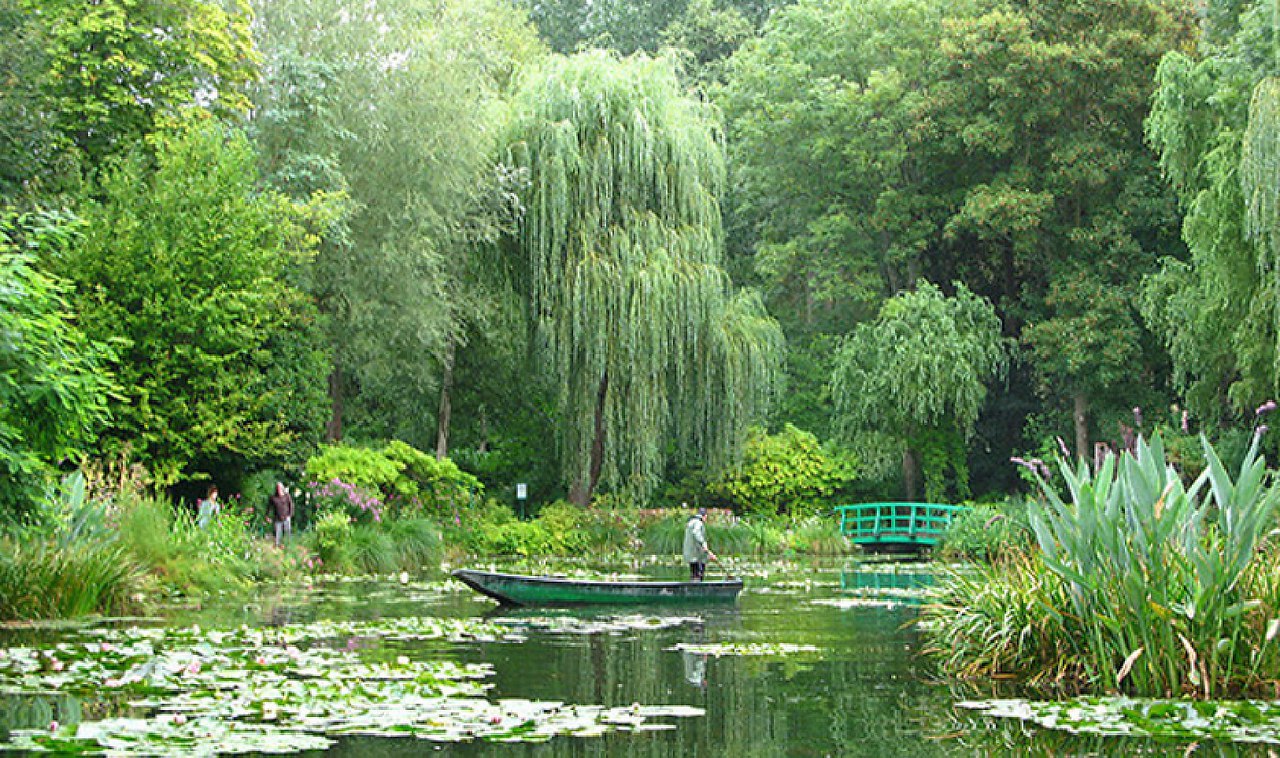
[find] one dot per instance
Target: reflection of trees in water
(866, 703)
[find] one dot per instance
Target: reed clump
(1142, 584)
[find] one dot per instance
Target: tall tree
(184, 263)
(1216, 311)
(396, 104)
(831, 201)
(1037, 116)
(917, 376)
(621, 246)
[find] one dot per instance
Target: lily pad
(858, 602)
(718, 649)
(1238, 721)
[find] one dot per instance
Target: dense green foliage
(986, 228)
(184, 264)
(788, 473)
(1156, 587)
(1216, 311)
(53, 380)
(620, 252)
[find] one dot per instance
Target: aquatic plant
(289, 689)
(1000, 621)
(41, 579)
(1249, 721)
(1143, 584)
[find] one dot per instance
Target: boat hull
(518, 589)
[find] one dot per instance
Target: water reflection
(865, 692)
(695, 663)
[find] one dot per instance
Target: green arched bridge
(896, 525)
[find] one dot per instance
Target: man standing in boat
(696, 551)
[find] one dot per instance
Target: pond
(816, 658)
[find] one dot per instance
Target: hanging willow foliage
(633, 316)
(1260, 180)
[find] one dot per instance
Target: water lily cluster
(286, 689)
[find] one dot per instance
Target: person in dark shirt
(281, 507)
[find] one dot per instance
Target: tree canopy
(922, 366)
(620, 248)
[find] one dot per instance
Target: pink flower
(53, 726)
(193, 668)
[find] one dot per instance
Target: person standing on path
(209, 508)
(696, 551)
(281, 507)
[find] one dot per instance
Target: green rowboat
(517, 589)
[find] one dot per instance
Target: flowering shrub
(407, 482)
(359, 503)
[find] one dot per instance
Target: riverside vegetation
(102, 544)
(1142, 582)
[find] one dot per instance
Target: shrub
(330, 539)
(523, 538)
(988, 532)
(361, 504)
(406, 481)
(785, 473)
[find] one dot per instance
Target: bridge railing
(910, 523)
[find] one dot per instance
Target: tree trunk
(910, 474)
(333, 428)
(1081, 417)
(446, 407)
(581, 491)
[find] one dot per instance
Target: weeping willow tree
(1260, 181)
(916, 378)
(633, 318)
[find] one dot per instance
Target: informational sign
(522, 491)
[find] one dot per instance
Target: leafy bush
(988, 532)
(785, 473)
(361, 504)
(404, 479)
(330, 539)
(53, 385)
(358, 466)
(524, 538)
(257, 488)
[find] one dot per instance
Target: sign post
(522, 494)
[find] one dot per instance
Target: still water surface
(856, 686)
